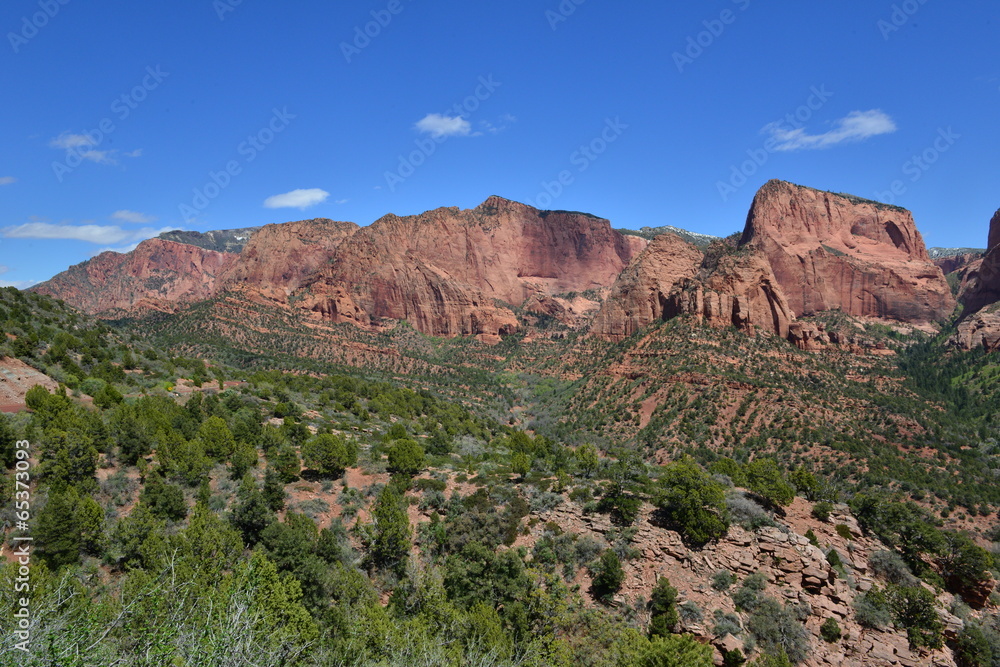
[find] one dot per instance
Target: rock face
(278, 259)
(641, 294)
(157, 275)
(447, 272)
(452, 272)
(984, 288)
(954, 263)
(672, 278)
(741, 292)
(980, 292)
(834, 252)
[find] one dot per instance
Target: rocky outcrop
(836, 252)
(452, 272)
(157, 275)
(279, 259)
(980, 292)
(641, 294)
(953, 263)
(984, 287)
(740, 292)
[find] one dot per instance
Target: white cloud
(103, 234)
(133, 217)
(297, 199)
(136, 153)
(7, 180)
(856, 126)
(444, 126)
(82, 145)
(4, 269)
(342, 201)
(68, 141)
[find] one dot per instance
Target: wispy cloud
(136, 153)
(84, 146)
(297, 199)
(502, 124)
(100, 234)
(856, 126)
(438, 126)
(133, 217)
(342, 201)
(7, 180)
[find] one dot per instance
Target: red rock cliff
(278, 259)
(835, 252)
(453, 272)
(640, 295)
(158, 275)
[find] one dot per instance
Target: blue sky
(124, 118)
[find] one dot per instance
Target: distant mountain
(942, 253)
(223, 240)
(694, 238)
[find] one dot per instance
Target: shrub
(406, 457)
(890, 566)
(746, 512)
(822, 510)
(830, 630)
(872, 610)
(722, 580)
(329, 454)
(748, 596)
(811, 536)
(972, 649)
(843, 531)
(676, 651)
(690, 612)
(915, 609)
(608, 576)
(693, 502)
(726, 624)
(765, 480)
(776, 628)
(663, 609)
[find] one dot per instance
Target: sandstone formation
(640, 295)
(672, 278)
(278, 259)
(452, 272)
(980, 291)
(741, 292)
(157, 275)
(984, 288)
(836, 252)
(960, 262)
(798, 573)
